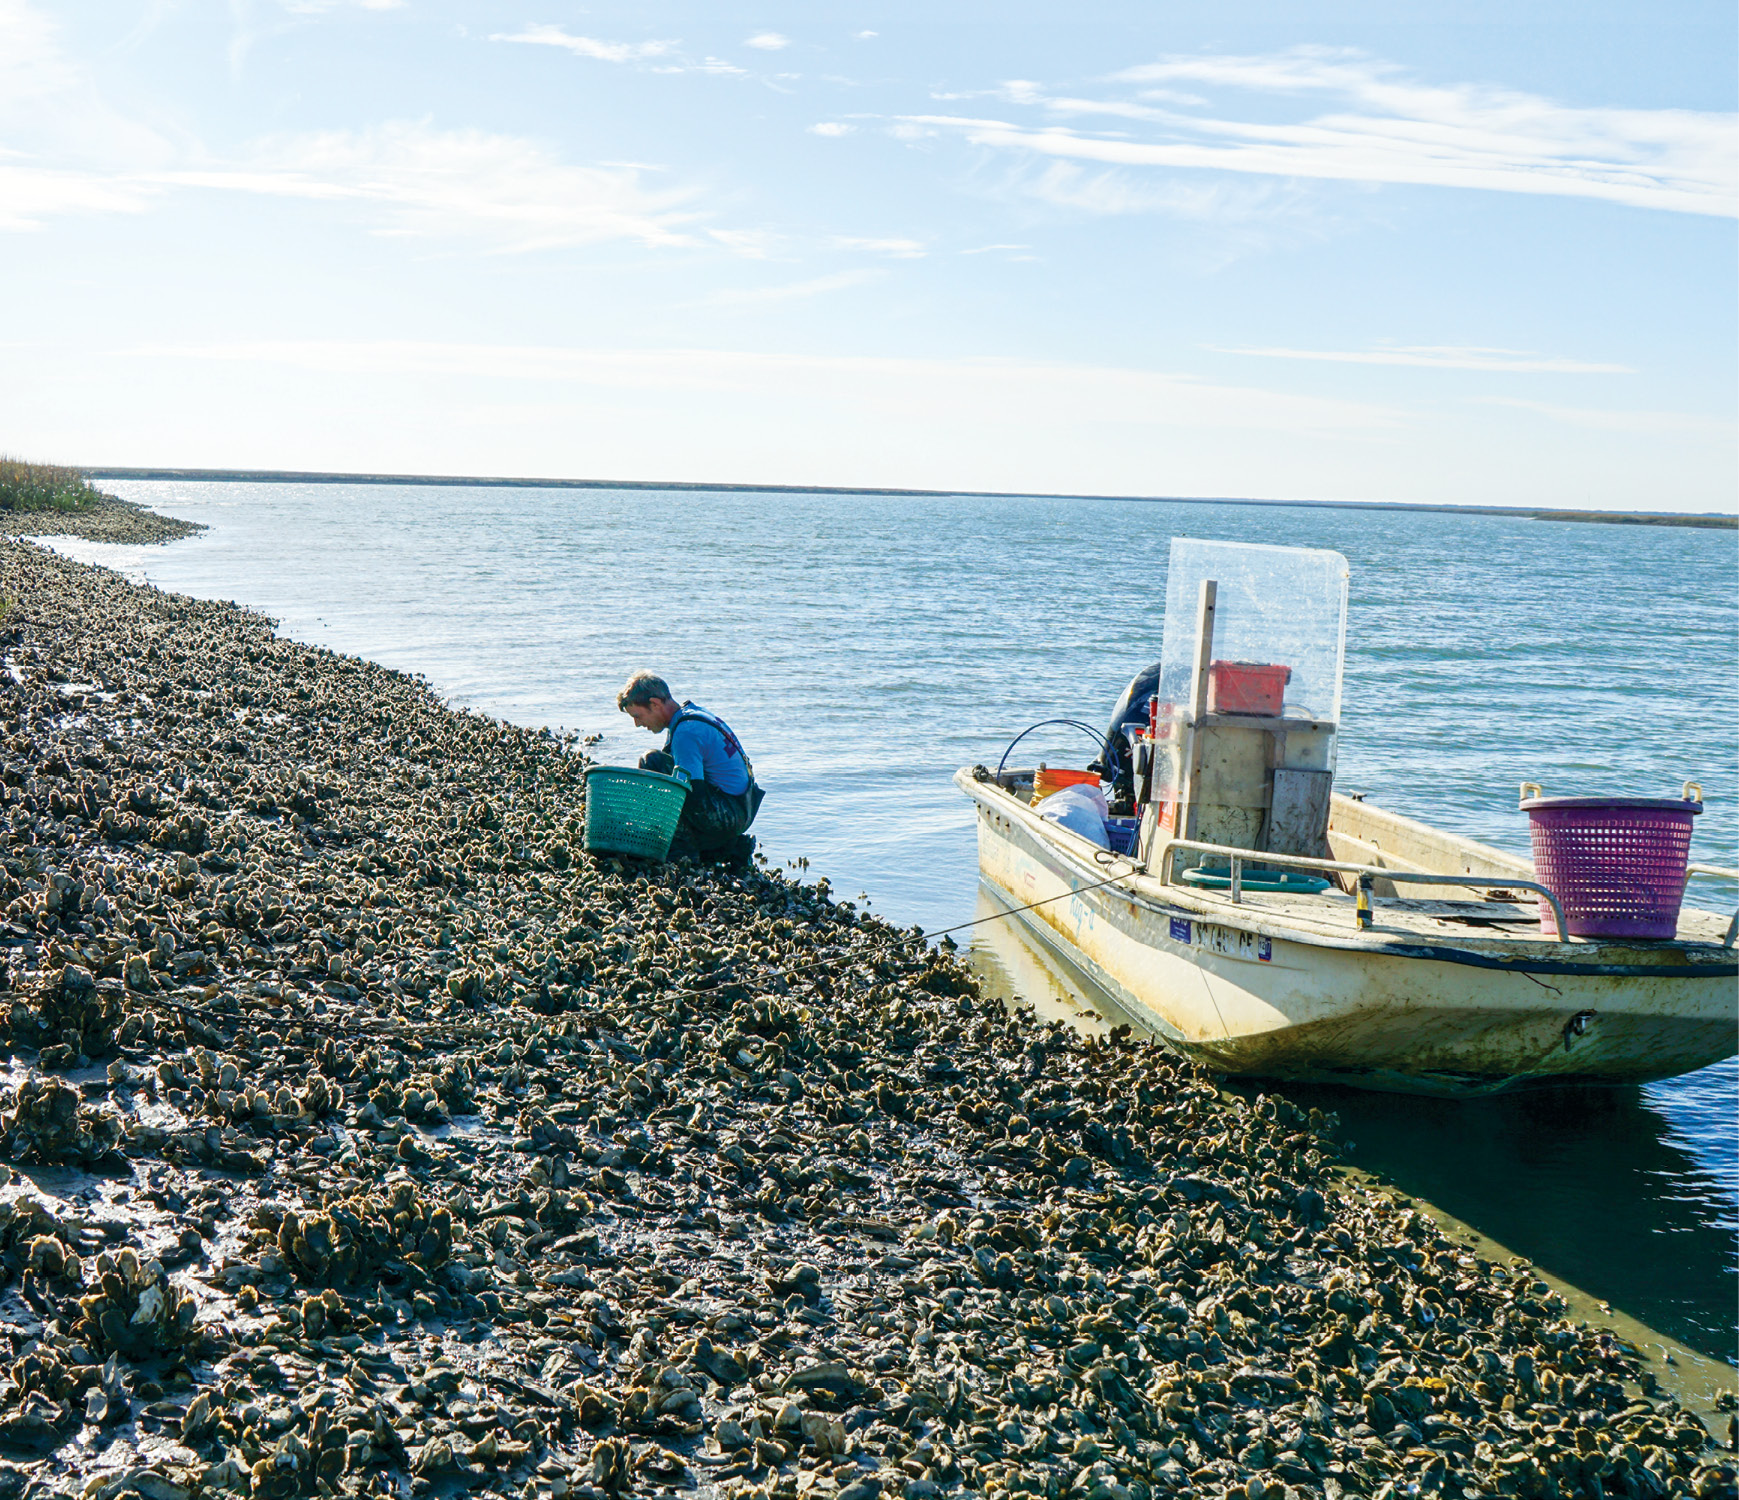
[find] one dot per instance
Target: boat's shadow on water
(1590, 1184)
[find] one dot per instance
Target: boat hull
(1245, 999)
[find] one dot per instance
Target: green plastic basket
(632, 812)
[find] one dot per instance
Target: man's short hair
(642, 688)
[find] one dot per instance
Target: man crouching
(699, 748)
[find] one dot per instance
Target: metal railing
(1720, 873)
(1160, 866)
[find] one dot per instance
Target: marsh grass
(28, 486)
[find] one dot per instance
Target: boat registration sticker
(1232, 943)
(1180, 929)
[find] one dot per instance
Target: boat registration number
(1228, 941)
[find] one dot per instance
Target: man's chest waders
(749, 799)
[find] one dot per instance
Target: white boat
(1270, 927)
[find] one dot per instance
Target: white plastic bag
(1080, 809)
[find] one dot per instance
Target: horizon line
(296, 476)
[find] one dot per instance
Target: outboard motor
(1117, 764)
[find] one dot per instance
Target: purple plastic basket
(1617, 864)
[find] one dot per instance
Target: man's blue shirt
(703, 752)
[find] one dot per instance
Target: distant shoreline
(289, 476)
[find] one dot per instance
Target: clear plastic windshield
(1276, 606)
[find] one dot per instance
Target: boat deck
(1496, 929)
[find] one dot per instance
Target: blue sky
(1376, 252)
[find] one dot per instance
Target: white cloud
(832, 127)
(794, 291)
(658, 56)
(30, 195)
(1449, 357)
(1385, 127)
(763, 244)
(1245, 208)
(29, 54)
(752, 244)
(509, 192)
(53, 110)
(320, 7)
(898, 249)
(506, 192)
(768, 41)
(585, 46)
(1647, 422)
(1165, 96)
(716, 65)
(988, 249)
(1007, 393)
(864, 36)
(64, 148)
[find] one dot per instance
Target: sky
(1449, 253)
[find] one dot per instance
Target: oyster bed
(107, 519)
(366, 1136)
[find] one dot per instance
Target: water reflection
(1589, 1183)
(1594, 1185)
(1015, 967)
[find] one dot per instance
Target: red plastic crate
(1247, 687)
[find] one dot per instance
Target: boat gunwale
(1206, 906)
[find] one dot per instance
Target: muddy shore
(365, 1135)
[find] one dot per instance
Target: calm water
(865, 647)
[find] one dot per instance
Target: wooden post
(1186, 821)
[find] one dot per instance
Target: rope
(1015, 911)
(928, 937)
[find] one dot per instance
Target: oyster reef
(364, 1136)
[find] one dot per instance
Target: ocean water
(866, 646)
